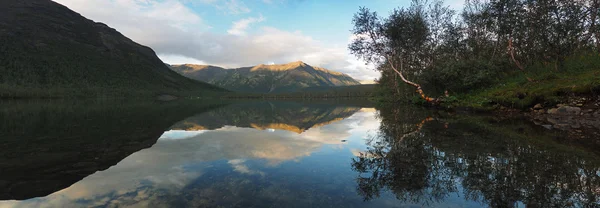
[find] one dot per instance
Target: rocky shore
(581, 116)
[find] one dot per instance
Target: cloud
(239, 27)
(367, 81)
(179, 34)
(233, 6)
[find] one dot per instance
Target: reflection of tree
(497, 164)
(399, 161)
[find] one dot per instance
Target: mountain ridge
(49, 50)
(265, 78)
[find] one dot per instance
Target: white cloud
(234, 7)
(179, 59)
(239, 27)
(368, 81)
(178, 34)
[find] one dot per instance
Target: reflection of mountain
(47, 147)
(265, 115)
(239, 165)
(498, 163)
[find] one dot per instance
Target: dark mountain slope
(266, 78)
(46, 49)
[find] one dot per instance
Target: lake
(285, 154)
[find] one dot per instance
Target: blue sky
(236, 33)
(327, 21)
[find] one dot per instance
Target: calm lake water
(284, 154)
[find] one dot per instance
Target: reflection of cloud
(179, 158)
(239, 166)
(180, 134)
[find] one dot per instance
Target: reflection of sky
(179, 134)
(180, 159)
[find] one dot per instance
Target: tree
(397, 41)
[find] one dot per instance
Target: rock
(568, 110)
(538, 106)
(561, 126)
(575, 126)
(547, 126)
(579, 105)
(552, 111)
(560, 105)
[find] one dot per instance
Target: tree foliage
(442, 49)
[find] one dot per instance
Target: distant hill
(46, 49)
(266, 78)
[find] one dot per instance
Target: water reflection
(230, 165)
(288, 116)
(273, 154)
(498, 163)
(47, 146)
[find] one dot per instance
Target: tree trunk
(419, 90)
(511, 52)
(593, 16)
(396, 85)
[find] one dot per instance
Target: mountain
(266, 78)
(46, 49)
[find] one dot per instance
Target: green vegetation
(341, 92)
(270, 79)
(50, 51)
(512, 53)
(580, 76)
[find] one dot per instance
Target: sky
(238, 33)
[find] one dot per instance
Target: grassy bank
(544, 83)
(549, 85)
